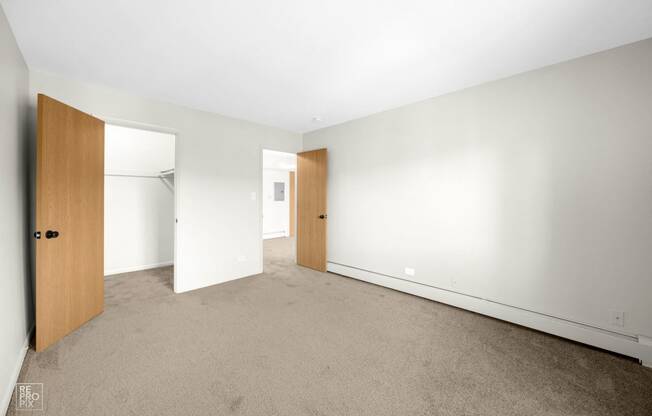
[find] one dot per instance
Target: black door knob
(51, 234)
(322, 216)
(37, 235)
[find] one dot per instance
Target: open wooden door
(311, 208)
(69, 220)
(293, 205)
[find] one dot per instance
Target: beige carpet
(297, 342)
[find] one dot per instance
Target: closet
(139, 208)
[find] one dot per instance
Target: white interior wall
(530, 193)
(217, 178)
(138, 206)
(276, 214)
(132, 150)
(16, 316)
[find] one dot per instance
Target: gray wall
(533, 191)
(15, 155)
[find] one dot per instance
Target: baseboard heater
(632, 346)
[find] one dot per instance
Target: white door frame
(260, 200)
(177, 181)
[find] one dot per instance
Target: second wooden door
(312, 217)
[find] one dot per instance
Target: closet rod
(133, 175)
(139, 174)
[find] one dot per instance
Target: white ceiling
(283, 62)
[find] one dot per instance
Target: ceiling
(284, 62)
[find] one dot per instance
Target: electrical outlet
(409, 271)
(242, 258)
(618, 318)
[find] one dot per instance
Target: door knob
(51, 234)
(37, 235)
(323, 216)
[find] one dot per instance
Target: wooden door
(293, 205)
(70, 220)
(311, 209)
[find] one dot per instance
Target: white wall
(217, 178)
(16, 316)
(276, 214)
(139, 208)
(130, 150)
(532, 192)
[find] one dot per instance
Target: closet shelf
(140, 174)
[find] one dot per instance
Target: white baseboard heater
(632, 346)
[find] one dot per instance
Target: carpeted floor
(293, 341)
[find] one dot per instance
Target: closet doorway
(139, 202)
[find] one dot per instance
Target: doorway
(294, 208)
(139, 202)
(77, 155)
(279, 206)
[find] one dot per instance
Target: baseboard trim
(137, 268)
(7, 395)
(645, 341)
(608, 340)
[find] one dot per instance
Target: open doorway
(139, 203)
(279, 206)
(89, 174)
